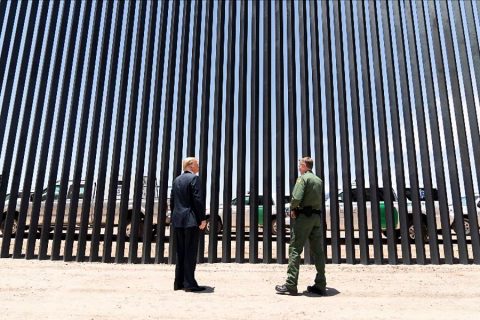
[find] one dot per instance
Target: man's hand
(293, 214)
(203, 224)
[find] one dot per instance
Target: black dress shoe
(284, 289)
(177, 288)
(313, 289)
(195, 289)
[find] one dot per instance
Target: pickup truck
(79, 208)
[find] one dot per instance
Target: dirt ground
(32, 289)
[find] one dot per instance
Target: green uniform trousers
(306, 228)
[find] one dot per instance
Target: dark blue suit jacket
(186, 201)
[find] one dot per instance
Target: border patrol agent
(305, 213)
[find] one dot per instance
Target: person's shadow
(207, 290)
(330, 292)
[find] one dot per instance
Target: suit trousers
(187, 245)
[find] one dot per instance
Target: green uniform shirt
(307, 192)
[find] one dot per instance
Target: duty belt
(308, 211)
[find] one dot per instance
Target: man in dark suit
(188, 218)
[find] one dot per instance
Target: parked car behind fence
(130, 211)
